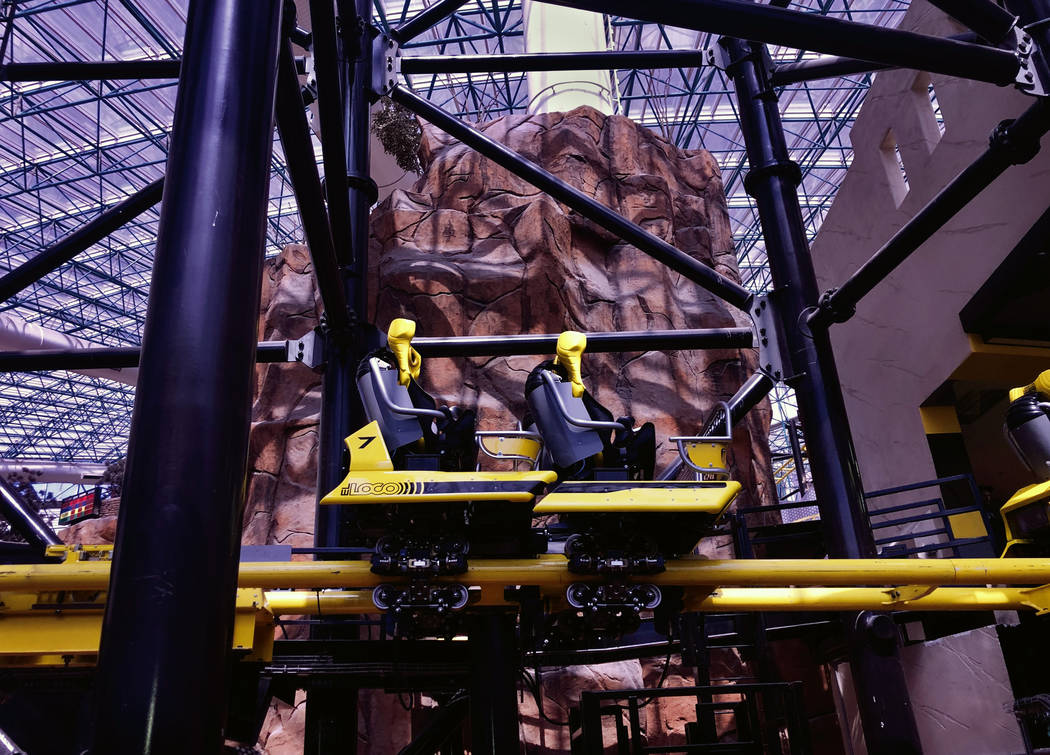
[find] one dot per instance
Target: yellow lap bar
(399, 340)
(569, 354)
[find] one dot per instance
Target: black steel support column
(340, 410)
(882, 694)
(348, 82)
(163, 668)
(331, 721)
(333, 111)
(493, 684)
(72, 244)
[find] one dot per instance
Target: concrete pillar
(550, 28)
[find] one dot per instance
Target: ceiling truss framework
(69, 150)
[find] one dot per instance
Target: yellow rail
(916, 598)
(551, 572)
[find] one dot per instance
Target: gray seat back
(566, 443)
(398, 429)
(1032, 443)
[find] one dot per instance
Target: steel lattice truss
(70, 149)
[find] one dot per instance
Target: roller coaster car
(415, 467)
(624, 521)
(1027, 514)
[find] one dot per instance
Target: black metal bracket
(1031, 73)
(308, 350)
(1004, 142)
(386, 64)
(768, 338)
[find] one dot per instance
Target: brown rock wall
(473, 250)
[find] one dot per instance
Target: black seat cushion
(635, 449)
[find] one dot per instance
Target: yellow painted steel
(498, 446)
(551, 571)
(63, 627)
(399, 340)
(372, 479)
(368, 451)
(912, 598)
(1029, 494)
(1040, 385)
(569, 354)
(706, 454)
(968, 525)
(939, 420)
(641, 497)
(35, 638)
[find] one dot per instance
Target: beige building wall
(906, 339)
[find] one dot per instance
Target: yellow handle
(399, 340)
(569, 354)
(1040, 385)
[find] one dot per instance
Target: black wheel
(651, 596)
(459, 596)
(381, 597)
(578, 594)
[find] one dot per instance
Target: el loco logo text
(382, 488)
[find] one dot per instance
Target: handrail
(591, 424)
(411, 411)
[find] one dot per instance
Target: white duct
(552, 28)
(18, 335)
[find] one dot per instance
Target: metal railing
(929, 517)
(764, 714)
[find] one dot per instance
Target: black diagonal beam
(425, 19)
(69, 246)
(983, 16)
(332, 105)
(810, 31)
(829, 66)
(655, 247)
(302, 172)
(24, 520)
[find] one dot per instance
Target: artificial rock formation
(475, 250)
(472, 251)
(282, 456)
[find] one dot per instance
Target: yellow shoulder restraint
(399, 340)
(569, 354)
(1040, 385)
